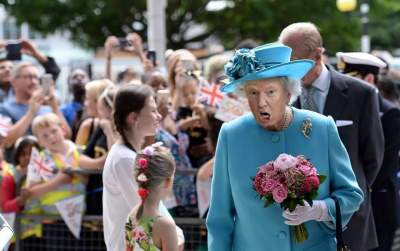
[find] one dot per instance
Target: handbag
(339, 234)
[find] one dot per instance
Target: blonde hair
(215, 65)
(107, 96)
(44, 121)
(173, 60)
(97, 87)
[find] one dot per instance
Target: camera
(152, 56)
(123, 43)
(13, 51)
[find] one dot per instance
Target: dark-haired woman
(135, 117)
(15, 198)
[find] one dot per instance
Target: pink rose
(306, 170)
(269, 185)
(279, 193)
(285, 161)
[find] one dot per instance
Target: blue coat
(237, 219)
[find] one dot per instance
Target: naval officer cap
(363, 63)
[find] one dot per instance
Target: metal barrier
(56, 235)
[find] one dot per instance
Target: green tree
(264, 19)
(385, 24)
(90, 21)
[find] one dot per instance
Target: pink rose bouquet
(288, 181)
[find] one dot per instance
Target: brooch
(306, 128)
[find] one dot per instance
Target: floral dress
(139, 235)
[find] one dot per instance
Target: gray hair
(16, 71)
(293, 86)
(311, 38)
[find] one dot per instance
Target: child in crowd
(146, 228)
(169, 134)
(15, 197)
(45, 176)
(192, 119)
(135, 117)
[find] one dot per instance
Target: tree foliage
(90, 21)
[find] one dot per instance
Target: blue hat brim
(293, 69)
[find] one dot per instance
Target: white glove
(318, 211)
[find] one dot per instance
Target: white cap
(360, 58)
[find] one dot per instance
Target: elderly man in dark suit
(354, 107)
(384, 193)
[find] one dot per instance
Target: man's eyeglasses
(28, 77)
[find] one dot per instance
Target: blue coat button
(282, 235)
(275, 138)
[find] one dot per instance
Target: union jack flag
(211, 94)
(38, 168)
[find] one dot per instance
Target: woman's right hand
(110, 43)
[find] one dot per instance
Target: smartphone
(152, 56)
(13, 51)
(123, 43)
(187, 64)
(163, 94)
(46, 82)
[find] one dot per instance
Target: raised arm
(41, 189)
(92, 163)
(48, 63)
(21, 126)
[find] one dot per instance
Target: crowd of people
(136, 146)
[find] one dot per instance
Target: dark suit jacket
(352, 100)
(385, 199)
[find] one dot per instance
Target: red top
(9, 198)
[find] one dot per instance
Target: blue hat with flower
(266, 61)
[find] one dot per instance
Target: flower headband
(142, 166)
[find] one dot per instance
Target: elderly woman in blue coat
(237, 219)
